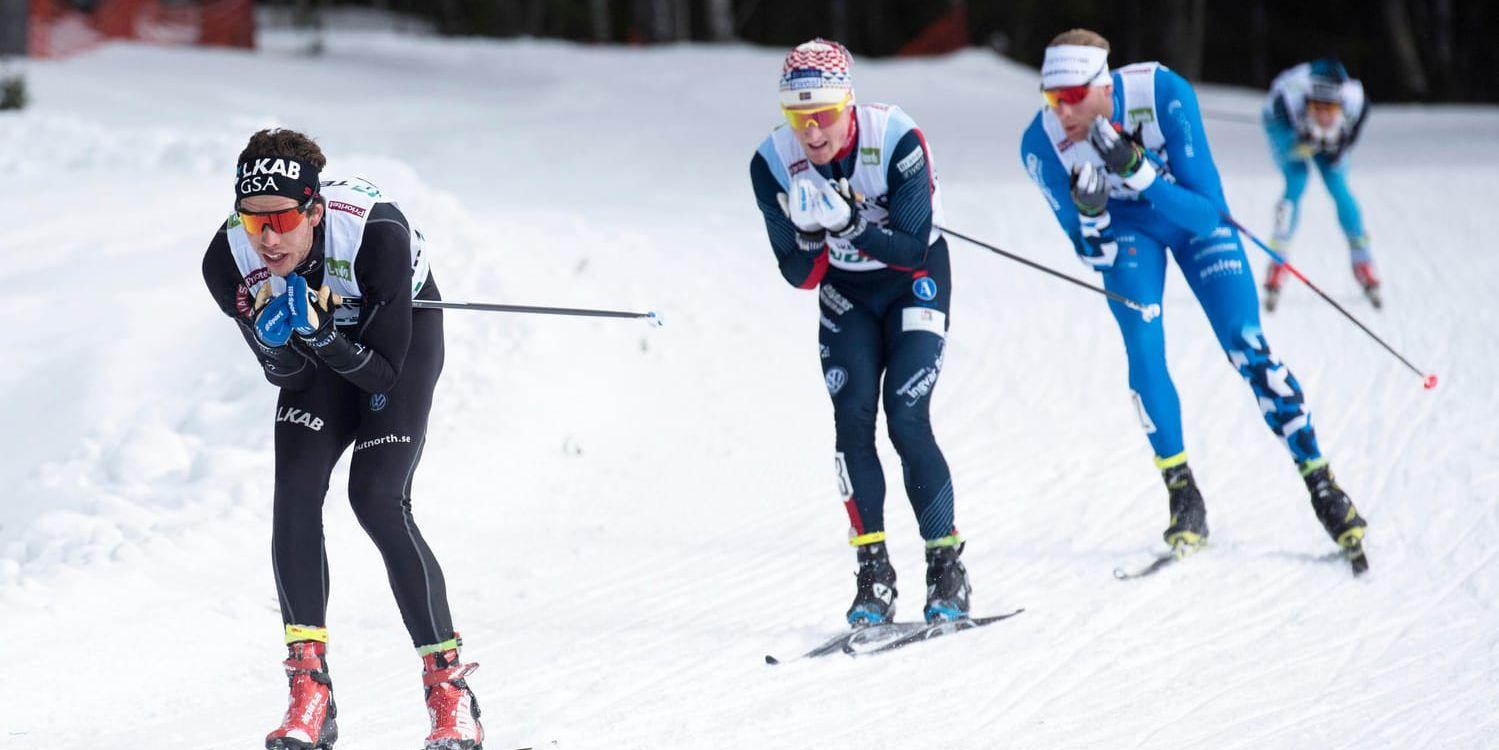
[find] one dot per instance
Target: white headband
(1075, 65)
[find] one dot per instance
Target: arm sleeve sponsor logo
(911, 162)
(1033, 167)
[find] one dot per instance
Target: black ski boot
(1338, 516)
(874, 603)
(947, 586)
(1188, 531)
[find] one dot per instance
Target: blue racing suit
(1183, 211)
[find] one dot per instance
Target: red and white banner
(57, 28)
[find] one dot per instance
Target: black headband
(275, 175)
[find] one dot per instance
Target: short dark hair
(287, 143)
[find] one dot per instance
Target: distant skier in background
(850, 199)
(1123, 161)
(277, 268)
(1314, 114)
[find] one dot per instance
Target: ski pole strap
(424, 304)
(1149, 312)
(1428, 380)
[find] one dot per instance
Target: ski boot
(1364, 273)
(1338, 516)
(874, 603)
(947, 586)
(309, 723)
(1275, 278)
(450, 703)
(1188, 531)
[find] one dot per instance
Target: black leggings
(388, 430)
(888, 325)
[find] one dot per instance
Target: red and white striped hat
(816, 73)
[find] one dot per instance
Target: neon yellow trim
(1170, 461)
(447, 645)
(296, 633)
(951, 540)
(1312, 465)
(863, 539)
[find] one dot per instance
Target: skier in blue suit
(1315, 113)
(1124, 162)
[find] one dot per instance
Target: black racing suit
(375, 393)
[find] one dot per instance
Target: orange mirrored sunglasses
(824, 117)
(280, 222)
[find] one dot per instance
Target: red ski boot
(450, 703)
(1274, 279)
(1367, 279)
(309, 723)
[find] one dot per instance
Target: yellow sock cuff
(1170, 461)
(951, 540)
(296, 633)
(447, 645)
(863, 539)
(1312, 465)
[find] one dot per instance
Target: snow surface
(629, 519)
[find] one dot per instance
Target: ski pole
(651, 317)
(1148, 312)
(1428, 380)
(1237, 117)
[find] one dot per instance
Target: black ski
(879, 639)
(1151, 569)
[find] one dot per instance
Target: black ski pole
(1148, 312)
(651, 317)
(1428, 380)
(1237, 117)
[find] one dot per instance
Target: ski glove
(832, 206)
(1097, 248)
(1090, 189)
(1122, 156)
(271, 318)
(311, 312)
(807, 240)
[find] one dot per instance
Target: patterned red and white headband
(816, 73)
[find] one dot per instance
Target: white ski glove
(829, 205)
(800, 207)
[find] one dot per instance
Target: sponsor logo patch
(834, 301)
(836, 378)
(829, 324)
(868, 155)
(386, 440)
(341, 269)
(346, 208)
(378, 401)
(924, 319)
(911, 162)
(925, 288)
(299, 416)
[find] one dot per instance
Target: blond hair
(1081, 38)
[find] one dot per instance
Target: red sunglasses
(1073, 95)
(280, 222)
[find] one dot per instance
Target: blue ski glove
(272, 319)
(311, 312)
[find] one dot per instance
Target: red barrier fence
(56, 28)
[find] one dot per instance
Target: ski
(879, 639)
(1155, 566)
